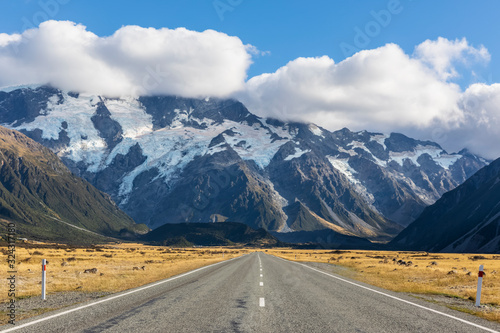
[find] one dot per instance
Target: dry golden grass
(428, 273)
(115, 267)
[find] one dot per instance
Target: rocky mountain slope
(169, 159)
(46, 201)
(466, 219)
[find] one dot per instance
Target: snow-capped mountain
(169, 159)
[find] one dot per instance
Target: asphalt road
(256, 293)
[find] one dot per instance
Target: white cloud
(133, 60)
(479, 106)
(442, 53)
(387, 90)
(479, 131)
(383, 86)
(5, 39)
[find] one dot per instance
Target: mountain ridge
(47, 201)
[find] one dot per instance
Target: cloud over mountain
(134, 60)
(386, 90)
(383, 89)
(384, 85)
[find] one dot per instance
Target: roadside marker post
(44, 268)
(479, 285)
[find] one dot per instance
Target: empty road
(256, 293)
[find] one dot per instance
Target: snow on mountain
(168, 149)
(254, 142)
(298, 152)
(437, 154)
(342, 164)
(8, 89)
(316, 130)
(74, 117)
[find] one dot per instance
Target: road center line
(262, 302)
(394, 297)
(262, 284)
(118, 296)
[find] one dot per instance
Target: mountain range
(167, 159)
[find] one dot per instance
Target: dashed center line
(262, 302)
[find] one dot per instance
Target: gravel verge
(33, 306)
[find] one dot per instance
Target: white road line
(262, 302)
(261, 275)
(396, 298)
(262, 284)
(117, 296)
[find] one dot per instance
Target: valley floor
(257, 292)
(448, 279)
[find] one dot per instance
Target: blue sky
(428, 69)
(286, 28)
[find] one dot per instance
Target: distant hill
(466, 219)
(210, 234)
(325, 238)
(48, 202)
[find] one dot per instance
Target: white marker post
(479, 285)
(44, 267)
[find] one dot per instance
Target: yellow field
(423, 273)
(119, 267)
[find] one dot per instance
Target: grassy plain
(453, 275)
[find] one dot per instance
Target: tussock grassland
(115, 267)
(424, 273)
